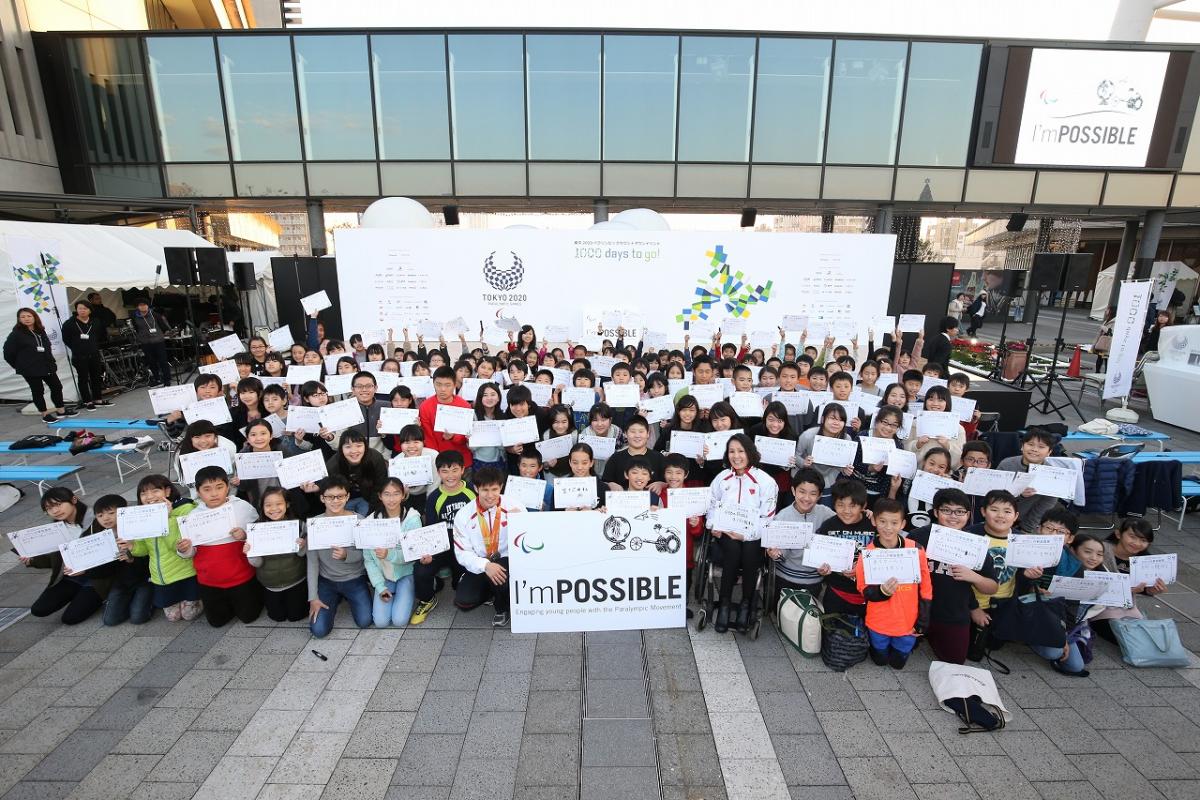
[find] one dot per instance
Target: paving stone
(1114, 777)
(1036, 756)
(25, 705)
(503, 691)
(616, 699)
(549, 792)
(360, 779)
(1180, 733)
(157, 732)
(750, 779)
(667, 641)
(467, 643)
(562, 644)
(75, 756)
(727, 691)
(376, 642)
(788, 712)
(556, 672)
(672, 673)
(1150, 755)
(457, 673)
(508, 655)
(46, 732)
(284, 642)
(869, 678)
(1030, 691)
(444, 712)
(688, 760)
(612, 784)
(40, 790)
(310, 758)
(124, 709)
(236, 776)
(289, 791)
(823, 793)
(358, 673)
(196, 637)
(415, 655)
(138, 652)
(231, 652)
(613, 661)
(417, 793)
(193, 756)
(297, 690)
(830, 691)
(114, 776)
(547, 758)
(694, 793)
(995, 777)
(1126, 690)
(807, 760)
(876, 778)
(946, 791)
(1072, 734)
(337, 711)
(741, 735)
(45, 653)
(196, 689)
(230, 710)
(923, 759)
(679, 712)
(1065, 790)
(1179, 790)
(555, 712)
(398, 691)
(261, 671)
(618, 743)
(13, 767)
(772, 675)
(1099, 711)
(630, 638)
(380, 734)
(101, 684)
(333, 648)
(851, 733)
(70, 669)
(894, 712)
(164, 791)
(269, 732)
(429, 760)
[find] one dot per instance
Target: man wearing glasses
(949, 630)
(363, 387)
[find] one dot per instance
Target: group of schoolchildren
(950, 606)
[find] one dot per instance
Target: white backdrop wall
(585, 279)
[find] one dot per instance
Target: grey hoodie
(788, 566)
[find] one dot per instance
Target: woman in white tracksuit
(741, 491)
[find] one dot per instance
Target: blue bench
(127, 460)
(42, 475)
(1078, 436)
(105, 424)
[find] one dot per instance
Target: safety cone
(1076, 360)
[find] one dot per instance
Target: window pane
(940, 103)
(639, 97)
(410, 96)
(269, 180)
(335, 97)
(199, 180)
(714, 100)
(127, 181)
(791, 99)
(260, 96)
(865, 111)
(114, 109)
(564, 97)
(487, 90)
(183, 76)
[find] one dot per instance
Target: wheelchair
(706, 586)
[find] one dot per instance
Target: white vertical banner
(1127, 336)
(35, 266)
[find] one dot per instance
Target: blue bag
(1150, 642)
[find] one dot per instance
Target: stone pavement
(455, 709)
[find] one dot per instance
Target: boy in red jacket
(896, 612)
(228, 585)
(445, 385)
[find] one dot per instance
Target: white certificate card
(305, 468)
(166, 399)
(315, 302)
(881, 565)
(82, 554)
(779, 452)
(603, 447)
(427, 541)
(1054, 481)
(902, 462)
(142, 522)
(658, 409)
(834, 452)
(980, 481)
(393, 420)
(303, 418)
(341, 415)
(692, 501)
(687, 443)
(520, 430)
(453, 419)
(707, 395)
(1117, 587)
(575, 493)
(215, 410)
(950, 546)
(273, 538)
(626, 395)
(558, 447)
(325, 533)
(1033, 550)
(876, 449)
(733, 518)
(925, 485)
(191, 463)
(627, 504)
(258, 465)
(838, 553)
(42, 539)
(208, 525)
(526, 492)
(787, 535)
(412, 471)
(378, 533)
(938, 423)
(1148, 569)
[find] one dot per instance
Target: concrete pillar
(316, 227)
(1124, 257)
(883, 219)
(1152, 228)
(827, 221)
(600, 210)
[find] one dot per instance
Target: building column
(316, 227)
(1124, 258)
(1152, 228)
(599, 210)
(907, 228)
(883, 220)
(1045, 226)
(827, 221)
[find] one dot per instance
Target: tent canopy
(1187, 282)
(110, 257)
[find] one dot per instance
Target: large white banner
(588, 571)
(670, 282)
(1090, 107)
(39, 284)
(1128, 326)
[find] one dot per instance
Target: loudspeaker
(1079, 272)
(1046, 272)
(1017, 222)
(450, 213)
(212, 266)
(243, 276)
(181, 271)
(748, 217)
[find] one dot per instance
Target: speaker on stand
(1051, 272)
(243, 281)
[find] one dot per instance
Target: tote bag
(1150, 642)
(798, 616)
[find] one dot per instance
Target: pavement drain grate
(10, 616)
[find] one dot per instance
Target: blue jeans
(359, 505)
(356, 591)
(1074, 662)
(901, 644)
(132, 603)
(396, 611)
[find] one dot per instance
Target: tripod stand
(1046, 384)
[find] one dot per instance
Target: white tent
(1187, 282)
(100, 257)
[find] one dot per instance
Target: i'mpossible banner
(589, 571)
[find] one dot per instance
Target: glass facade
(475, 114)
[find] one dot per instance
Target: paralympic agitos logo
(504, 274)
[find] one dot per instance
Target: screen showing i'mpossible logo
(1092, 108)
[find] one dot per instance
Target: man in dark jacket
(100, 312)
(149, 330)
(939, 348)
(85, 334)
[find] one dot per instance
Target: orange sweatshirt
(905, 611)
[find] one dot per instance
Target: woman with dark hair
(74, 593)
(775, 425)
(524, 341)
(84, 336)
(741, 492)
(27, 351)
(833, 424)
(364, 469)
(938, 398)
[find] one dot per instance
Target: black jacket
(938, 349)
(73, 331)
(142, 327)
(21, 353)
